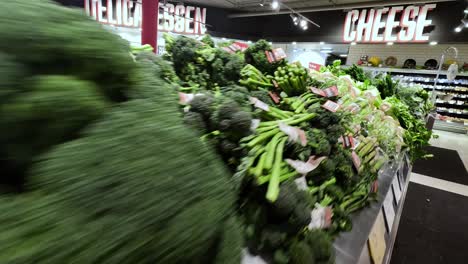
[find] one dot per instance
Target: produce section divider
(349, 245)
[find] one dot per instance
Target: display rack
(452, 101)
(353, 247)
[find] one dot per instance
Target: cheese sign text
(178, 18)
(377, 25)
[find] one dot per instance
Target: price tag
(353, 108)
(389, 210)
(318, 91)
(295, 134)
(331, 106)
(228, 49)
(185, 98)
(239, 46)
(347, 141)
(314, 66)
(356, 160)
(269, 56)
(259, 104)
(396, 189)
(320, 217)
(331, 91)
(305, 167)
(275, 55)
(279, 54)
(275, 97)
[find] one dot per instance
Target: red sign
(314, 66)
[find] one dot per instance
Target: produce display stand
(352, 247)
(454, 106)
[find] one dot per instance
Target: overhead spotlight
(275, 4)
(262, 3)
(303, 23)
(466, 11)
(458, 29)
(305, 28)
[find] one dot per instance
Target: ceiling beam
(337, 7)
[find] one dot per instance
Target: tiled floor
(432, 230)
(449, 140)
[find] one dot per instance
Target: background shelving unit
(455, 109)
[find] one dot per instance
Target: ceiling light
(433, 43)
(458, 29)
(389, 43)
(303, 22)
(322, 43)
(466, 11)
(343, 55)
(274, 4)
(353, 43)
(294, 42)
(305, 27)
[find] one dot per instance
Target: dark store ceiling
(255, 6)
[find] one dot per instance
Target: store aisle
(433, 223)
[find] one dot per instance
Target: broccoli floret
(195, 120)
(231, 119)
(208, 41)
(263, 96)
(272, 237)
(300, 253)
(320, 244)
(256, 56)
(203, 104)
(292, 205)
(237, 93)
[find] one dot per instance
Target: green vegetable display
(119, 171)
(255, 55)
(292, 79)
(58, 72)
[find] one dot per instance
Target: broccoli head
(300, 253)
(195, 120)
(237, 93)
(203, 104)
(208, 41)
(321, 245)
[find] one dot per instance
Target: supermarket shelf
(446, 90)
(452, 114)
(409, 71)
(451, 126)
(452, 106)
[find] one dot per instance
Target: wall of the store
(419, 52)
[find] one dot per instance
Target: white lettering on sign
(172, 18)
(377, 25)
